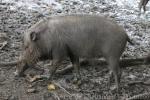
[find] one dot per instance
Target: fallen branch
(144, 96)
(132, 62)
(126, 62)
(140, 82)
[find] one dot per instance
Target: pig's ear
(33, 36)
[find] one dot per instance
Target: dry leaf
(34, 78)
(51, 87)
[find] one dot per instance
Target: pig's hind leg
(141, 4)
(114, 67)
(144, 5)
(140, 7)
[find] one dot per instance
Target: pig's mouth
(20, 71)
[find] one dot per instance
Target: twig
(65, 70)
(63, 89)
(3, 45)
(56, 96)
(37, 68)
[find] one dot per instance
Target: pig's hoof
(77, 81)
(115, 89)
(139, 14)
(16, 78)
(16, 73)
(69, 78)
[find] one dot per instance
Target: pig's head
(30, 54)
(35, 46)
(21, 67)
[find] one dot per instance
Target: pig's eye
(25, 47)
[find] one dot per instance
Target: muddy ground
(14, 20)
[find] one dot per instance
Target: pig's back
(87, 35)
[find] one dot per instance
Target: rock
(3, 37)
(75, 2)
(31, 90)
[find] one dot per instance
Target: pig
(143, 4)
(74, 36)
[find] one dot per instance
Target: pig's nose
(16, 73)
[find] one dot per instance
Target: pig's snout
(20, 70)
(18, 74)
